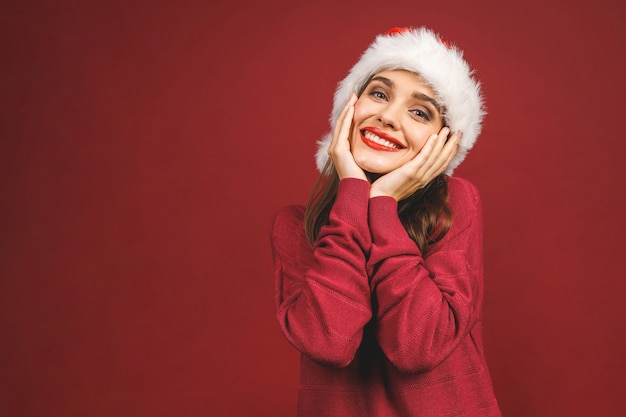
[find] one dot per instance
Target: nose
(389, 116)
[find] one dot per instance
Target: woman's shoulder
(288, 223)
(462, 192)
(288, 215)
(465, 204)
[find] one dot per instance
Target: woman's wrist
(379, 193)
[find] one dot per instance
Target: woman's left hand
(431, 161)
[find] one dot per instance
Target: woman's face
(393, 118)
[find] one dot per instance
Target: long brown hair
(425, 214)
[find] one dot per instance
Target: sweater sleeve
(426, 305)
(322, 292)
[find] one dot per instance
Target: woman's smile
(379, 140)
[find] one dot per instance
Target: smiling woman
(379, 279)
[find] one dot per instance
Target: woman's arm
(426, 305)
(322, 293)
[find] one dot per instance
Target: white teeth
(374, 138)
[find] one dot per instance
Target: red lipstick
(382, 135)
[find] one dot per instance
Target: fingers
(437, 153)
(341, 130)
(431, 161)
(339, 148)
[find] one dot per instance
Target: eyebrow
(416, 95)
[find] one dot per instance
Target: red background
(145, 146)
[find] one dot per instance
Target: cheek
(419, 137)
(421, 143)
(361, 111)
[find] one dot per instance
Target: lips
(379, 140)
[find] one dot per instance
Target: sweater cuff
(385, 225)
(352, 201)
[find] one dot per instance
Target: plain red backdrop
(145, 146)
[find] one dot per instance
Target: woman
(379, 280)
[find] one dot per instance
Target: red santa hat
(440, 64)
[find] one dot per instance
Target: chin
(376, 169)
(376, 172)
(376, 163)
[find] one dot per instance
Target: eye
(378, 94)
(421, 114)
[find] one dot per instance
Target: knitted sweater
(384, 331)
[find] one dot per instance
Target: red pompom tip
(396, 30)
(399, 30)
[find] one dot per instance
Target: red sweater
(383, 330)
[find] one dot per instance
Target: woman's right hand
(339, 148)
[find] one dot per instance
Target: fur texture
(421, 51)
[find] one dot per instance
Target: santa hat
(441, 65)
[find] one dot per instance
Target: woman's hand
(339, 148)
(431, 161)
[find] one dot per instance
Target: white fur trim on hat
(421, 51)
